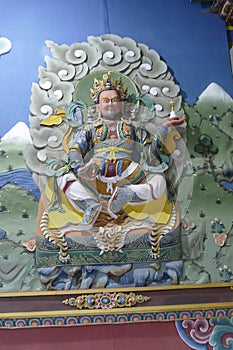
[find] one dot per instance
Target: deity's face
(110, 105)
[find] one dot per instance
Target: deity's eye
(106, 100)
(115, 99)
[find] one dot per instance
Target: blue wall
(192, 41)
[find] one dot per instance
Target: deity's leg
(145, 192)
(81, 198)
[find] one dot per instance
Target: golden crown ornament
(108, 83)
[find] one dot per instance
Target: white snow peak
(216, 92)
(19, 133)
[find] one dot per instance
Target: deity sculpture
(114, 181)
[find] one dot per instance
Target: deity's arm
(158, 140)
(79, 149)
(76, 159)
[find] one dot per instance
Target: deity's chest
(113, 130)
(116, 156)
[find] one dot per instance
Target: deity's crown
(108, 83)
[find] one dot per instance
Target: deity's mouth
(111, 114)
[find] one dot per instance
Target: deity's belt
(133, 170)
(112, 150)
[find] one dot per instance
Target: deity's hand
(175, 121)
(89, 171)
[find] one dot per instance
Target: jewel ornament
(105, 300)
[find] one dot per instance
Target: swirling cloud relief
(5, 45)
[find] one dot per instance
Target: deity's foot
(121, 196)
(90, 216)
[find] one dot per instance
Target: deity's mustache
(111, 116)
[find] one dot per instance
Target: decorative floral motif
(30, 244)
(195, 334)
(226, 273)
(220, 239)
(199, 330)
(202, 334)
(106, 301)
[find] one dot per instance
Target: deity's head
(109, 95)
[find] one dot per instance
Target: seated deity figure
(115, 167)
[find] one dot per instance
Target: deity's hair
(108, 83)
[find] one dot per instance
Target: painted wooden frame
(148, 304)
